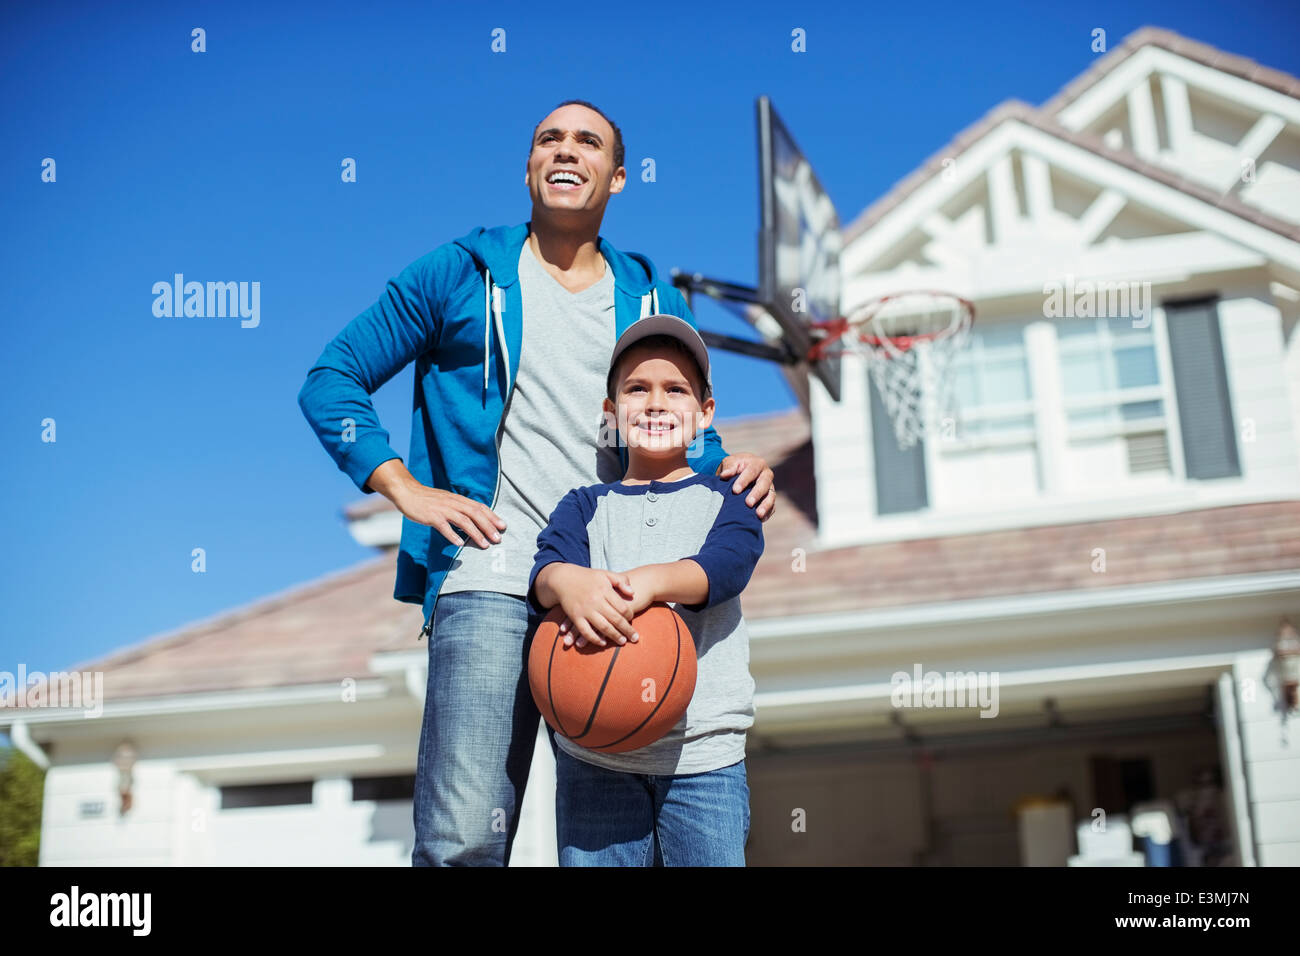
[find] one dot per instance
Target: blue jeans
(608, 818)
(479, 733)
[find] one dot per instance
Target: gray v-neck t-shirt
(550, 436)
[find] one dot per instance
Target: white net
(909, 341)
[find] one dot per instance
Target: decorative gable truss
(1230, 134)
(1026, 204)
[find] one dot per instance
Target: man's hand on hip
(435, 507)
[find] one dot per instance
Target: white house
(1111, 531)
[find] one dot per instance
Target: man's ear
(617, 180)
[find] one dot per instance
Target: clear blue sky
(176, 434)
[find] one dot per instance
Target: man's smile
(565, 179)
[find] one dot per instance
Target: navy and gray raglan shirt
(618, 527)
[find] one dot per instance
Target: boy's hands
(598, 604)
(643, 588)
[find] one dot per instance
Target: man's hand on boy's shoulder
(749, 470)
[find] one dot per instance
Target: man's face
(576, 140)
(658, 409)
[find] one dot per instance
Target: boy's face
(658, 408)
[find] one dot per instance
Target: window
(266, 795)
(990, 382)
(1069, 409)
(384, 788)
(1114, 401)
(990, 451)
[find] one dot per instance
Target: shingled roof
(328, 630)
(1204, 53)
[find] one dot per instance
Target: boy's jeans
(480, 729)
(607, 818)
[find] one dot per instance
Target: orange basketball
(619, 697)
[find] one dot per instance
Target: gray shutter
(1201, 385)
(900, 473)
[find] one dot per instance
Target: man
(493, 452)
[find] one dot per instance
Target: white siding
(176, 819)
(332, 831)
(841, 436)
(1253, 354)
(1290, 312)
(143, 838)
(1271, 755)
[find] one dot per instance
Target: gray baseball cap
(672, 325)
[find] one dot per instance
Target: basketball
(615, 698)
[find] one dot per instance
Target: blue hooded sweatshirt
(456, 312)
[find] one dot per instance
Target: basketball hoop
(908, 340)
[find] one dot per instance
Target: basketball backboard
(799, 244)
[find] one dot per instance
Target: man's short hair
(618, 134)
(660, 343)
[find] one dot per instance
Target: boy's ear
(706, 413)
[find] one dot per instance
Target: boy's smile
(659, 425)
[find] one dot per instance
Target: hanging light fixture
(124, 760)
(1286, 658)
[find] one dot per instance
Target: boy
(687, 540)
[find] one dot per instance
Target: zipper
(427, 630)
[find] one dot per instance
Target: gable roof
(1014, 110)
(320, 632)
(1019, 111)
(1203, 53)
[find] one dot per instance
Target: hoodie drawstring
(650, 303)
(487, 307)
(497, 296)
(492, 307)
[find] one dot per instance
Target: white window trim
(1050, 408)
(1163, 392)
(1144, 393)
